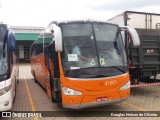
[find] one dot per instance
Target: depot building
(25, 36)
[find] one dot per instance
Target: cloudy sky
(41, 12)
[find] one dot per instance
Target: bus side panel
(39, 69)
(47, 77)
(11, 81)
(15, 71)
(41, 73)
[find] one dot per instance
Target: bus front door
(51, 62)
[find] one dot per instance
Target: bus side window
(46, 54)
(39, 45)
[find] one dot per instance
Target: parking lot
(31, 97)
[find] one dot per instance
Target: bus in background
(8, 68)
(82, 63)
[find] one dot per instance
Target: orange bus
(82, 63)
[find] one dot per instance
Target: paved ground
(31, 97)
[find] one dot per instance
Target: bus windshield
(3, 57)
(92, 50)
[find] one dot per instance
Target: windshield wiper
(99, 75)
(94, 76)
(122, 70)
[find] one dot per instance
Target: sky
(42, 12)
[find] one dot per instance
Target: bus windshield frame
(3, 56)
(92, 49)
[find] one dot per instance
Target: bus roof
(3, 25)
(74, 21)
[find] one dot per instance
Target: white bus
(8, 68)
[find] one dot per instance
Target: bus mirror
(11, 41)
(134, 35)
(56, 31)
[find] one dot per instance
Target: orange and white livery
(82, 64)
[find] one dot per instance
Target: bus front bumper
(6, 101)
(94, 104)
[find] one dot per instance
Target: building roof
(26, 36)
(26, 33)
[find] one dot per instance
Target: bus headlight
(5, 90)
(126, 86)
(69, 91)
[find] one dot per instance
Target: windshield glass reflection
(96, 46)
